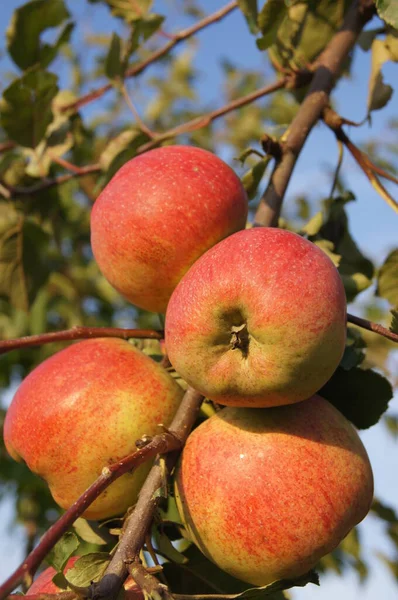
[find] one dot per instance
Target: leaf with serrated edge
(388, 11)
(387, 280)
(88, 568)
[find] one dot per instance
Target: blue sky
(373, 224)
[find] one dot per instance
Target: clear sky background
(373, 224)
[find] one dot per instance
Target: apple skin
(84, 408)
(43, 584)
(158, 214)
(287, 296)
(265, 493)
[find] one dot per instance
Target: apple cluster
(255, 320)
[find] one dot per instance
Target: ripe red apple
(259, 320)
(44, 583)
(265, 493)
(158, 214)
(83, 409)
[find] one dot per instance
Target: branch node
(272, 146)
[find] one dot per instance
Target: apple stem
(240, 338)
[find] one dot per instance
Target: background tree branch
(326, 69)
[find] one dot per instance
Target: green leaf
(121, 149)
(88, 568)
(394, 321)
(37, 265)
(201, 576)
(366, 38)
(314, 225)
(355, 269)
(250, 10)
(379, 93)
(62, 551)
(384, 512)
(388, 11)
(305, 31)
(387, 280)
(327, 247)
(354, 354)
(25, 112)
(114, 66)
(27, 23)
(164, 545)
(252, 178)
(12, 278)
(361, 395)
(90, 532)
(269, 20)
(126, 10)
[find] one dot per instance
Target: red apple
(44, 583)
(265, 493)
(158, 214)
(83, 409)
(259, 320)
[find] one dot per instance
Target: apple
(259, 320)
(44, 584)
(83, 409)
(265, 493)
(158, 214)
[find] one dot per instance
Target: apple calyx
(240, 338)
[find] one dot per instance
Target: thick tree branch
(326, 69)
(156, 55)
(138, 523)
(78, 333)
(375, 327)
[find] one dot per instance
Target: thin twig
(154, 56)
(326, 69)
(5, 146)
(140, 122)
(139, 521)
(60, 596)
(335, 123)
(206, 119)
(49, 183)
(375, 327)
(187, 127)
(78, 333)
